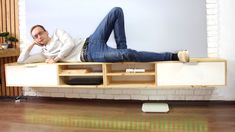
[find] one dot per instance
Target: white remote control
(135, 70)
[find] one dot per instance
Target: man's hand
(50, 61)
(34, 42)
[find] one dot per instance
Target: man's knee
(117, 9)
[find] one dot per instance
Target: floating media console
(203, 72)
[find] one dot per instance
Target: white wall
(151, 25)
(227, 44)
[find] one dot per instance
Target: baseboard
(178, 102)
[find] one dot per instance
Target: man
(61, 47)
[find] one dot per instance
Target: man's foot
(183, 56)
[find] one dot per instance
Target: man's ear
(47, 33)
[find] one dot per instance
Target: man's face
(40, 36)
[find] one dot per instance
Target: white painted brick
(203, 91)
(71, 95)
(30, 94)
(194, 97)
(33, 90)
(212, 34)
(212, 54)
(148, 92)
(211, 1)
(96, 91)
(51, 90)
(128, 97)
(211, 97)
(39, 89)
(175, 97)
(166, 91)
(211, 11)
(80, 90)
(214, 97)
(26, 89)
(212, 44)
(212, 18)
(212, 39)
(139, 97)
(44, 94)
(212, 50)
(104, 96)
(212, 28)
(184, 91)
(112, 91)
(87, 96)
(157, 97)
(212, 22)
(65, 90)
(211, 5)
(56, 94)
(131, 91)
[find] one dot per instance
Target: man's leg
(125, 55)
(114, 21)
(144, 56)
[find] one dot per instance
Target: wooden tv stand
(199, 72)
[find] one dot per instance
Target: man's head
(40, 34)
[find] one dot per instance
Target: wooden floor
(65, 115)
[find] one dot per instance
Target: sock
(175, 57)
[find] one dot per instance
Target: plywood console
(199, 72)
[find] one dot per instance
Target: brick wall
(212, 27)
(126, 94)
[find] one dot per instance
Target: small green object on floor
(155, 107)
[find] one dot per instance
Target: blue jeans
(99, 51)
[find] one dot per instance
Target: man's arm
(68, 45)
(25, 53)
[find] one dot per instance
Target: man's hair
(35, 26)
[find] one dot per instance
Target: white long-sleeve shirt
(61, 45)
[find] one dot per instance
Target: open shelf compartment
(130, 74)
(77, 74)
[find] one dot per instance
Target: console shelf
(199, 72)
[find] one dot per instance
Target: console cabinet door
(31, 75)
(191, 74)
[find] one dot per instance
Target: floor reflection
(162, 123)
